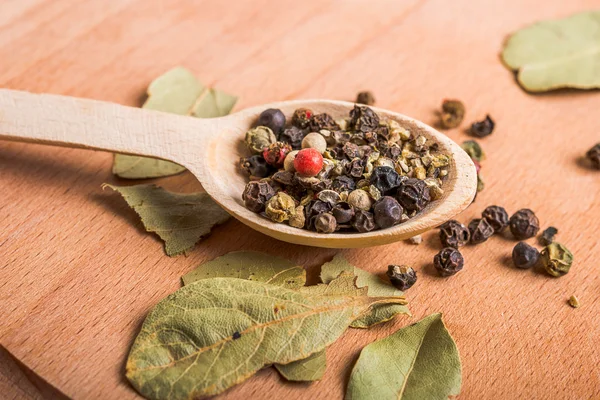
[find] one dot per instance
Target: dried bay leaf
(215, 333)
(179, 92)
(309, 369)
(557, 53)
(180, 220)
(376, 287)
(253, 266)
(420, 361)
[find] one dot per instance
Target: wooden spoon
(211, 148)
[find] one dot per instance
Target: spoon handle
(73, 122)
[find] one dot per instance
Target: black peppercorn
(385, 179)
(524, 224)
(272, 118)
(387, 212)
(322, 121)
(356, 168)
(413, 195)
(480, 230)
(454, 234)
(365, 97)
(343, 213)
(325, 223)
(350, 150)
(497, 218)
(401, 276)
(301, 118)
(343, 183)
(363, 221)
(547, 236)
(256, 195)
(593, 155)
(363, 119)
(483, 128)
(292, 136)
(315, 208)
(256, 166)
(448, 261)
(525, 256)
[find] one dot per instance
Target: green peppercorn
(524, 224)
(557, 259)
(401, 276)
(497, 217)
(525, 256)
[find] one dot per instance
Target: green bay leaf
(180, 220)
(262, 267)
(557, 53)
(253, 266)
(179, 92)
(376, 287)
(215, 333)
(420, 361)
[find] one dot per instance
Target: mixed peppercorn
(353, 174)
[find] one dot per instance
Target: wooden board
(79, 273)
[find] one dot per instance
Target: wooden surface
(79, 274)
(210, 150)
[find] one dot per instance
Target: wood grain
(79, 274)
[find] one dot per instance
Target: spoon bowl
(210, 149)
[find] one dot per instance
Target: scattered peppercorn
(256, 195)
(480, 230)
(524, 224)
(453, 112)
(402, 276)
(574, 302)
(557, 259)
(483, 128)
(593, 155)
(413, 195)
(256, 166)
(525, 256)
(547, 236)
(454, 234)
(365, 97)
(473, 149)
(387, 212)
(497, 218)
(273, 119)
(448, 261)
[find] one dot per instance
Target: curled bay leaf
(215, 333)
(557, 53)
(253, 266)
(420, 361)
(180, 220)
(376, 287)
(176, 91)
(309, 369)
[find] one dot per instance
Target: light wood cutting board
(79, 273)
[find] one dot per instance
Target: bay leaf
(215, 333)
(179, 219)
(177, 91)
(559, 53)
(309, 369)
(376, 287)
(262, 267)
(253, 266)
(420, 361)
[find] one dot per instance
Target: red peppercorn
(308, 162)
(275, 154)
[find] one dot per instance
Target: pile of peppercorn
(353, 174)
